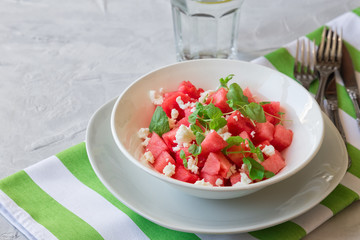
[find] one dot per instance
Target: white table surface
(61, 60)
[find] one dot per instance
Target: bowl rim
(253, 186)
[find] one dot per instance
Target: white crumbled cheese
(176, 148)
(245, 179)
(181, 103)
(184, 135)
(145, 142)
(155, 97)
(143, 133)
(224, 132)
(252, 134)
(236, 118)
(174, 113)
(231, 171)
(268, 150)
(204, 95)
(219, 182)
(225, 136)
(172, 123)
(192, 164)
(203, 183)
(169, 169)
(148, 157)
(244, 167)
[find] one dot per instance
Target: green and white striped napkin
(62, 198)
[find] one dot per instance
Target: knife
(347, 73)
(332, 109)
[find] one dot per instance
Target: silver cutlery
(332, 109)
(347, 73)
(328, 60)
(304, 67)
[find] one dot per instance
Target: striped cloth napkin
(29, 200)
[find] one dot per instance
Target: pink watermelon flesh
(274, 163)
(282, 137)
(212, 165)
(264, 131)
(236, 177)
(156, 145)
(213, 142)
(169, 138)
(162, 160)
(211, 178)
(182, 174)
(237, 123)
(219, 99)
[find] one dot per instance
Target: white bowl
(133, 110)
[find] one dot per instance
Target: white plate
(173, 209)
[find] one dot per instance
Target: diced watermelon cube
(237, 158)
(211, 178)
(282, 137)
(274, 163)
(177, 155)
(188, 88)
(212, 165)
(264, 131)
(170, 103)
(248, 94)
(225, 164)
(169, 138)
(185, 119)
(182, 174)
(219, 99)
(162, 160)
(213, 142)
(273, 109)
(245, 135)
(237, 123)
(236, 177)
(156, 145)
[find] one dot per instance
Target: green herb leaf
(268, 174)
(212, 112)
(256, 170)
(233, 141)
(223, 82)
(217, 123)
(195, 129)
(159, 122)
(183, 157)
(255, 112)
(195, 149)
(236, 97)
(199, 137)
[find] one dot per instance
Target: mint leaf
(212, 112)
(217, 123)
(236, 97)
(223, 82)
(195, 149)
(183, 157)
(233, 141)
(159, 122)
(255, 112)
(256, 170)
(268, 174)
(199, 138)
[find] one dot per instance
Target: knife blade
(347, 73)
(332, 109)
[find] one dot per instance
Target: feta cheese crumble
(143, 133)
(203, 183)
(204, 95)
(192, 165)
(169, 169)
(181, 103)
(219, 182)
(148, 157)
(268, 150)
(156, 98)
(184, 135)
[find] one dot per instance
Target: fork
(304, 70)
(328, 60)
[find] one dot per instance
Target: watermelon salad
(222, 137)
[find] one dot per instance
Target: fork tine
(334, 46)
(302, 63)
(340, 45)
(327, 46)
(322, 45)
